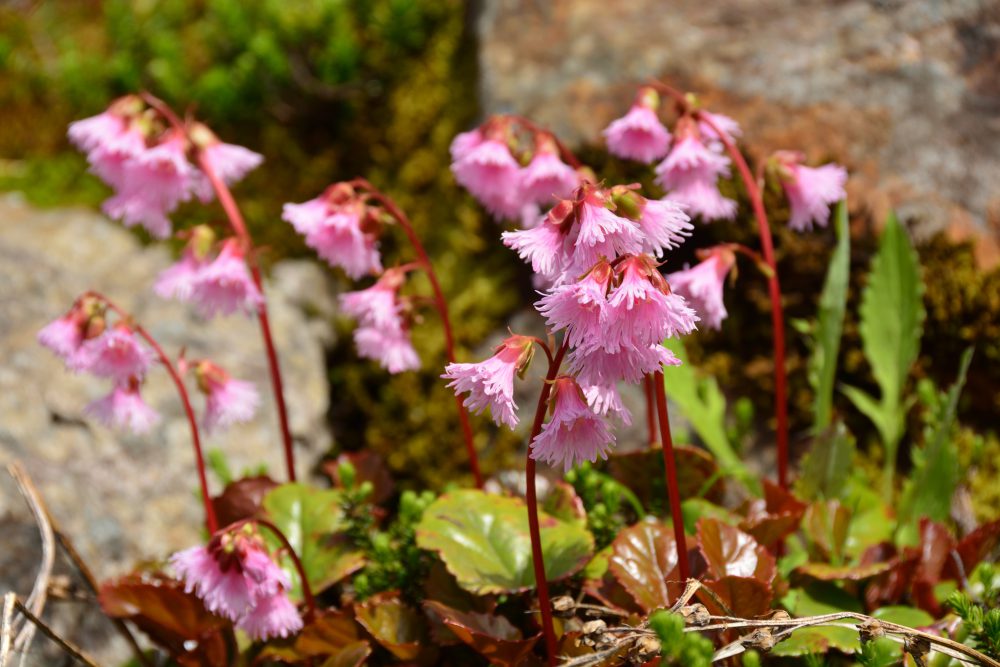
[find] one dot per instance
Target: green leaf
(704, 405)
(911, 617)
(311, 520)
(484, 542)
(828, 463)
(932, 483)
(830, 324)
(892, 315)
(807, 641)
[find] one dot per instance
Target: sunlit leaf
(825, 468)
(242, 499)
(911, 617)
(401, 629)
(644, 562)
(731, 552)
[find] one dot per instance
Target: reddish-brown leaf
(644, 562)
(332, 635)
(827, 572)
(973, 548)
(745, 597)
(562, 502)
(731, 552)
(368, 467)
(774, 517)
(491, 635)
(397, 626)
(642, 471)
(173, 619)
(242, 499)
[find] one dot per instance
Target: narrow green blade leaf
(827, 464)
(830, 323)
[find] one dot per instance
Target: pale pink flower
(641, 309)
(307, 216)
(231, 162)
(605, 400)
(702, 285)
(547, 178)
(598, 366)
(729, 127)
(229, 401)
(152, 185)
(664, 224)
(463, 143)
(339, 239)
(63, 336)
(492, 175)
(177, 281)
(490, 383)
(117, 354)
(271, 616)
(110, 139)
(390, 346)
(574, 433)
(579, 307)
(690, 174)
(376, 306)
(225, 285)
(102, 130)
(811, 191)
(599, 233)
(124, 408)
(541, 246)
(638, 135)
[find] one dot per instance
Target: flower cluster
(216, 283)
(132, 148)
(236, 577)
(702, 285)
(383, 331)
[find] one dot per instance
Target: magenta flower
(225, 285)
(490, 383)
(664, 224)
(492, 175)
(810, 191)
(117, 354)
(580, 307)
(690, 174)
(702, 285)
(390, 346)
(602, 234)
(271, 616)
(63, 336)
(639, 134)
(574, 433)
(541, 246)
(124, 408)
(605, 400)
(231, 162)
(335, 232)
(547, 178)
(641, 309)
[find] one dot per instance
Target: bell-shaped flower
(547, 178)
(390, 346)
(600, 233)
(664, 225)
(124, 408)
(642, 310)
(116, 353)
(810, 190)
(639, 134)
(690, 174)
(228, 401)
(490, 383)
(574, 432)
(702, 285)
(335, 230)
(225, 286)
(605, 400)
(580, 307)
(272, 616)
(598, 366)
(490, 173)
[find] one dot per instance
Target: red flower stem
(441, 305)
(531, 498)
(211, 523)
(240, 228)
(774, 288)
(307, 593)
(670, 465)
(650, 411)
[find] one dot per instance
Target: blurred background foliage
(331, 89)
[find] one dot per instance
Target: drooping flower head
(377, 306)
(605, 400)
(639, 134)
(580, 307)
(485, 167)
(112, 138)
(662, 223)
(116, 353)
(490, 383)
(599, 366)
(224, 285)
(729, 128)
(810, 190)
(690, 174)
(236, 577)
(227, 401)
(702, 285)
(642, 310)
(124, 408)
(229, 161)
(543, 246)
(391, 347)
(340, 228)
(547, 178)
(383, 334)
(178, 280)
(599, 232)
(574, 432)
(65, 335)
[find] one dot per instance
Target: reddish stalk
(211, 523)
(650, 411)
(670, 465)
(240, 228)
(441, 305)
(774, 289)
(307, 593)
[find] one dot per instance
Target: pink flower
(702, 285)
(642, 311)
(178, 280)
(811, 191)
(664, 224)
(541, 246)
(307, 216)
(124, 408)
(224, 285)
(376, 306)
(605, 400)
(111, 139)
(574, 433)
(546, 177)
(492, 175)
(463, 143)
(689, 175)
(390, 346)
(580, 307)
(490, 383)
(63, 336)
(232, 575)
(729, 127)
(151, 185)
(231, 162)
(602, 234)
(598, 366)
(335, 232)
(271, 616)
(116, 354)
(639, 134)
(227, 401)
